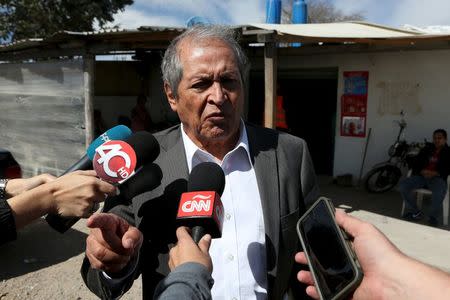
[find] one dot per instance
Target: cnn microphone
(118, 162)
(200, 207)
(119, 132)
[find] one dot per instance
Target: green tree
(20, 19)
(321, 11)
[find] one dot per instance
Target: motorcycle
(384, 176)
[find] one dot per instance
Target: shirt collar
(193, 151)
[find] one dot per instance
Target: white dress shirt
(239, 257)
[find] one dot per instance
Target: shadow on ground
(356, 198)
(37, 247)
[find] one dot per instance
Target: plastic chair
(421, 192)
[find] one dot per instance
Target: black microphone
(200, 207)
(146, 150)
(85, 163)
(147, 179)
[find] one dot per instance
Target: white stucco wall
(418, 82)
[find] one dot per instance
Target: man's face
(210, 93)
(439, 140)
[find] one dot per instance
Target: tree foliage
(20, 19)
(321, 11)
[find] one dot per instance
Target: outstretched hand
(378, 257)
(112, 242)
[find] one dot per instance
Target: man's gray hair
(171, 67)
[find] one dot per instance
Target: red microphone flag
(202, 207)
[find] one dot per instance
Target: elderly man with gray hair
(269, 181)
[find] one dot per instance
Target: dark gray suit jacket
(287, 185)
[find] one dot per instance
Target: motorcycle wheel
(382, 179)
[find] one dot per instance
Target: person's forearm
(433, 283)
(17, 186)
(417, 280)
(187, 281)
(14, 187)
(31, 205)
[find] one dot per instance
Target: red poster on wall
(351, 105)
(354, 104)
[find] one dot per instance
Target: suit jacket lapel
(172, 159)
(174, 155)
(262, 151)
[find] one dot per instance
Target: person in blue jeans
(430, 170)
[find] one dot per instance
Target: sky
(394, 13)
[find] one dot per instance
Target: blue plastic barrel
(273, 11)
(299, 15)
(197, 20)
(299, 12)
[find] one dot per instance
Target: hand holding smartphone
(333, 264)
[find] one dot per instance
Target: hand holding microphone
(187, 259)
(62, 222)
(74, 195)
(186, 250)
(202, 210)
(78, 193)
(115, 162)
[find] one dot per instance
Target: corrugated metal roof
(36, 41)
(21, 44)
(161, 28)
(88, 35)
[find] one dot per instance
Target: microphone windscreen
(119, 132)
(145, 146)
(148, 178)
(207, 176)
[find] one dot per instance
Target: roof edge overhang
(68, 43)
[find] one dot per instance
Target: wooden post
(88, 74)
(270, 79)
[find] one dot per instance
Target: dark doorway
(309, 102)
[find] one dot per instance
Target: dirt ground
(44, 264)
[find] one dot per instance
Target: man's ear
(170, 97)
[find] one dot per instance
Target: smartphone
(332, 262)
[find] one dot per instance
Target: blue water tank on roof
(197, 20)
(299, 12)
(273, 11)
